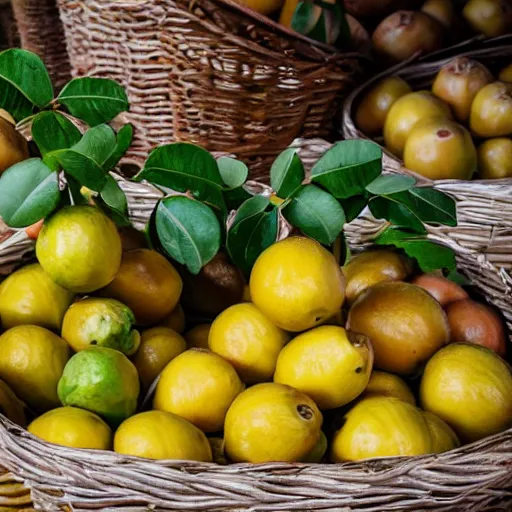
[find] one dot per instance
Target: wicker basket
(476, 477)
(211, 72)
(9, 36)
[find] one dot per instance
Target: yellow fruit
(297, 284)
(262, 6)
(387, 384)
(490, 17)
(381, 427)
(406, 112)
(79, 248)
(30, 297)
(158, 346)
(442, 10)
(491, 111)
(148, 284)
(318, 452)
(247, 294)
(5, 115)
(176, 320)
(405, 324)
(470, 388)
(197, 337)
(199, 386)
(443, 436)
(440, 149)
(11, 406)
(329, 364)
(506, 74)
(374, 107)
(494, 159)
(249, 341)
(372, 267)
(271, 422)
(161, 435)
(76, 428)
(102, 322)
(13, 146)
(32, 360)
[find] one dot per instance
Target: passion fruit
(374, 107)
(373, 8)
(443, 436)
(490, 17)
(491, 111)
(458, 82)
(387, 384)
(506, 74)
(495, 159)
(440, 149)
(406, 112)
(441, 10)
(406, 33)
(442, 289)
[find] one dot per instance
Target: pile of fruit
(426, 128)
(96, 326)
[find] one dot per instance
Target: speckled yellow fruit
(79, 248)
(246, 338)
(506, 74)
(387, 384)
(262, 6)
(491, 111)
(271, 422)
(494, 159)
(161, 435)
(443, 436)
(176, 320)
(72, 427)
(470, 388)
(372, 267)
(405, 324)
(329, 364)
(30, 297)
(381, 427)
(297, 284)
(406, 112)
(13, 146)
(198, 336)
(101, 322)
(11, 406)
(158, 346)
(199, 386)
(32, 360)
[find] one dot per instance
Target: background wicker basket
(476, 477)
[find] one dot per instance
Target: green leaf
(253, 230)
(114, 197)
(24, 83)
(235, 197)
(316, 213)
(52, 131)
(74, 189)
(94, 100)
(429, 255)
(348, 167)
(29, 191)
(302, 16)
(185, 167)
(233, 172)
(395, 213)
(353, 206)
(87, 172)
(430, 205)
(124, 139)
(286, 173)
(188, 231)
(386, 184)
(98, 144)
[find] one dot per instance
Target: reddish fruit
(442, 289)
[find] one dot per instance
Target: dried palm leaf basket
(476, 477)
(211, 72)
(484, 207)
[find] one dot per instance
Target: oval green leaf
(396, 213)
(188, 231)
(233, 172)
(114, 197)
(29, 191)
(286, 173)
(390, 184)
(123, 140)
(52, 131)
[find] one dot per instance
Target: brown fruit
(495, 159)
(13, 146)
(219, 285)
(373, 8)
(372, 267)
(490, 17)
(148, 284)
(458, 82)
(440, 149)
(441, 10)
(472, 322)
(491, 111)
(506, 74)
(406, 33)
(405, 324)
(132, 239)
(374, 107)
(406, 112)
(442, 289)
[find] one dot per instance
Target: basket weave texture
(476, 477)
(209, 72)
